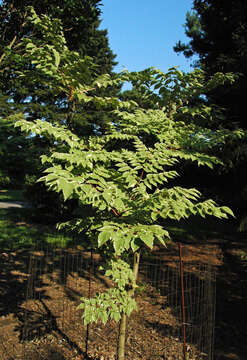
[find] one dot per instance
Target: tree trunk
(121, 339)
(123, 320)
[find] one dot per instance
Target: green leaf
(87, 319)
(148, 239)
(154, 215)
(66, 187)
(227, 210)
(118, 204)
(135, 245)
(104, 317)
(118, 243)
(107, 195)
(30, 46)
(102, 206)
(132, 182)
(115, 316)
(103, 237)
(57, 57)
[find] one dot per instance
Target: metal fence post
(182, 297)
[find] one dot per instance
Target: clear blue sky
(143, 32)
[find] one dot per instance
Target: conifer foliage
(23, 87)
(218, 36)
(217, 32)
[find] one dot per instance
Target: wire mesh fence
(175, 318)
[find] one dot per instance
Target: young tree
(123, 179)
(122, 185)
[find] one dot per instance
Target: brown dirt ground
(48, 326)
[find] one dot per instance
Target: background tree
(218, 37)
(218, 33)
(80, 21)
(30, 94)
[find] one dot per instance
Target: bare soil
(39, 297)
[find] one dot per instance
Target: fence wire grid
(175, 318)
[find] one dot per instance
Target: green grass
(11, 195)
(16, 232)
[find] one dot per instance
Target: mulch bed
(42, 322)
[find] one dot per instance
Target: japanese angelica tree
(122, 179)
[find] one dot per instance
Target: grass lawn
(17, 232)
(11, 195)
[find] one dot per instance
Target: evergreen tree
(218, 36)
(25, 88)
(80, 22)
(218, 33)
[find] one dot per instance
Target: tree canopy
(218, 36)
(23, 86)
(80, 22)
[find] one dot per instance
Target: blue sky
(142, 32)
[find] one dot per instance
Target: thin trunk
(121, 339)
(135, 270)
(123, 320)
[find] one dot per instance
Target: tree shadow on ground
(162, 271)
(35, 325)
(31, 280)
(231, 300)
(231, 305)
(14, 270)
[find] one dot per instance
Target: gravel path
(13, 204)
